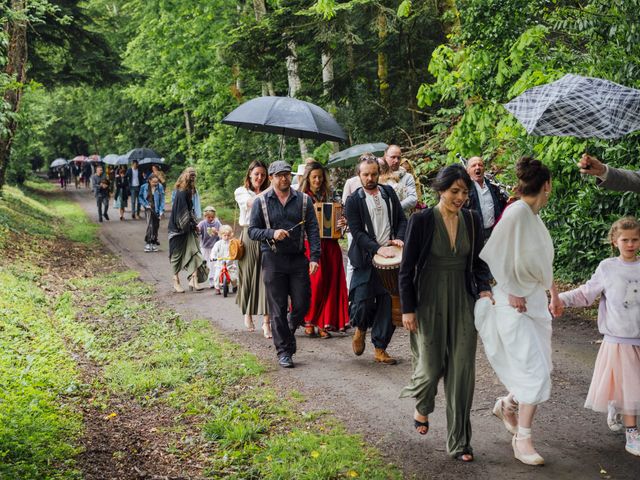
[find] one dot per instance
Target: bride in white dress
(516, 329)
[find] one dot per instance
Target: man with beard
(485, 198)
(377, 222)
(280, 216)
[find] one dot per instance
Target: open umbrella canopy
(139, 154)
(151, 161)
(79, 158)
(111, 159)
(578, 106)
(58, 162)
(286, 116)
(349, 156)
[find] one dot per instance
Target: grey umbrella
(349, 156)
(578, 106)
(111, 159)
(58, 162)
(139, 154)
(286, 116)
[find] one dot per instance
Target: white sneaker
(614, 419)
(633, 443)
(147, 248)
(154, 248)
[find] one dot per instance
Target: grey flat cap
(279, 167)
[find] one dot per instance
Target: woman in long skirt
(184, 250)
(516, 330)
(252, 297)
(440, 277)
(329, 306)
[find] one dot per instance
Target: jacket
(499, 202)
(158, 198)
(417, 249)
(129, 176)
(364, 245)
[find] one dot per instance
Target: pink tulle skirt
(616, 377)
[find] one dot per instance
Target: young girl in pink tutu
(616, 376)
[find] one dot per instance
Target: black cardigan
(364, 244)
(417, 247)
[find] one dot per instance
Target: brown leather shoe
(358, 341)
(381, 356)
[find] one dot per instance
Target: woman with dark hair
(252, 296)
(328, 309)
(121, 196)
(184, 251)
(516, 330)
(440, 278)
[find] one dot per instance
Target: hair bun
(528, 168)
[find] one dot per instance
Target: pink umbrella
(79, 158)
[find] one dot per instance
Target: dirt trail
(575, 442)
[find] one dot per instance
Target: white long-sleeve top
(619, 310)
(220, 250)
(243, 195)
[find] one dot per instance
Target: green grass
(154, 355)
(39, 424)
(40, 211)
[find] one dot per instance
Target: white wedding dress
(518, 345)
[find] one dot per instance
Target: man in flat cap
(280, 216)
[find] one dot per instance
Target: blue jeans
(135, 202)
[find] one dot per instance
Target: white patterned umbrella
(576, 106)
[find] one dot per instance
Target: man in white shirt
(485, 198)
(376, 221)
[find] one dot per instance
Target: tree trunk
(383, 66)
(15, 69)
(294, 85)
(327, 86)
(189, 130)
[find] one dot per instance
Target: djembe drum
(388, 269)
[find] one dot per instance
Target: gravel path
(575, 442)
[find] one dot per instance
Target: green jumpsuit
(445, 342)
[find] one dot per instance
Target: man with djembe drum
(377, 224)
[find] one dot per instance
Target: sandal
(417, 424)
(310, 331)
(266, 329)
(323, 333)
(248, 321)
(464, 456)
(506, 405)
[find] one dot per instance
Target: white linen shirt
(243, 196)
(379, 214)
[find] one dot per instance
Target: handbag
(236, 249)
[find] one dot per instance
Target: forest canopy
(105, 76)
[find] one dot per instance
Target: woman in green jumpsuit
(440, 278)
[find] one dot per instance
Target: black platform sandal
(418, 424)
(464, 456)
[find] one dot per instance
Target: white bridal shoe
(530, 459)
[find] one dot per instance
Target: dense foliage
(431, 76)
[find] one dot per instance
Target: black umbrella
(286, 116)
(139, 154)
(151, 161)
